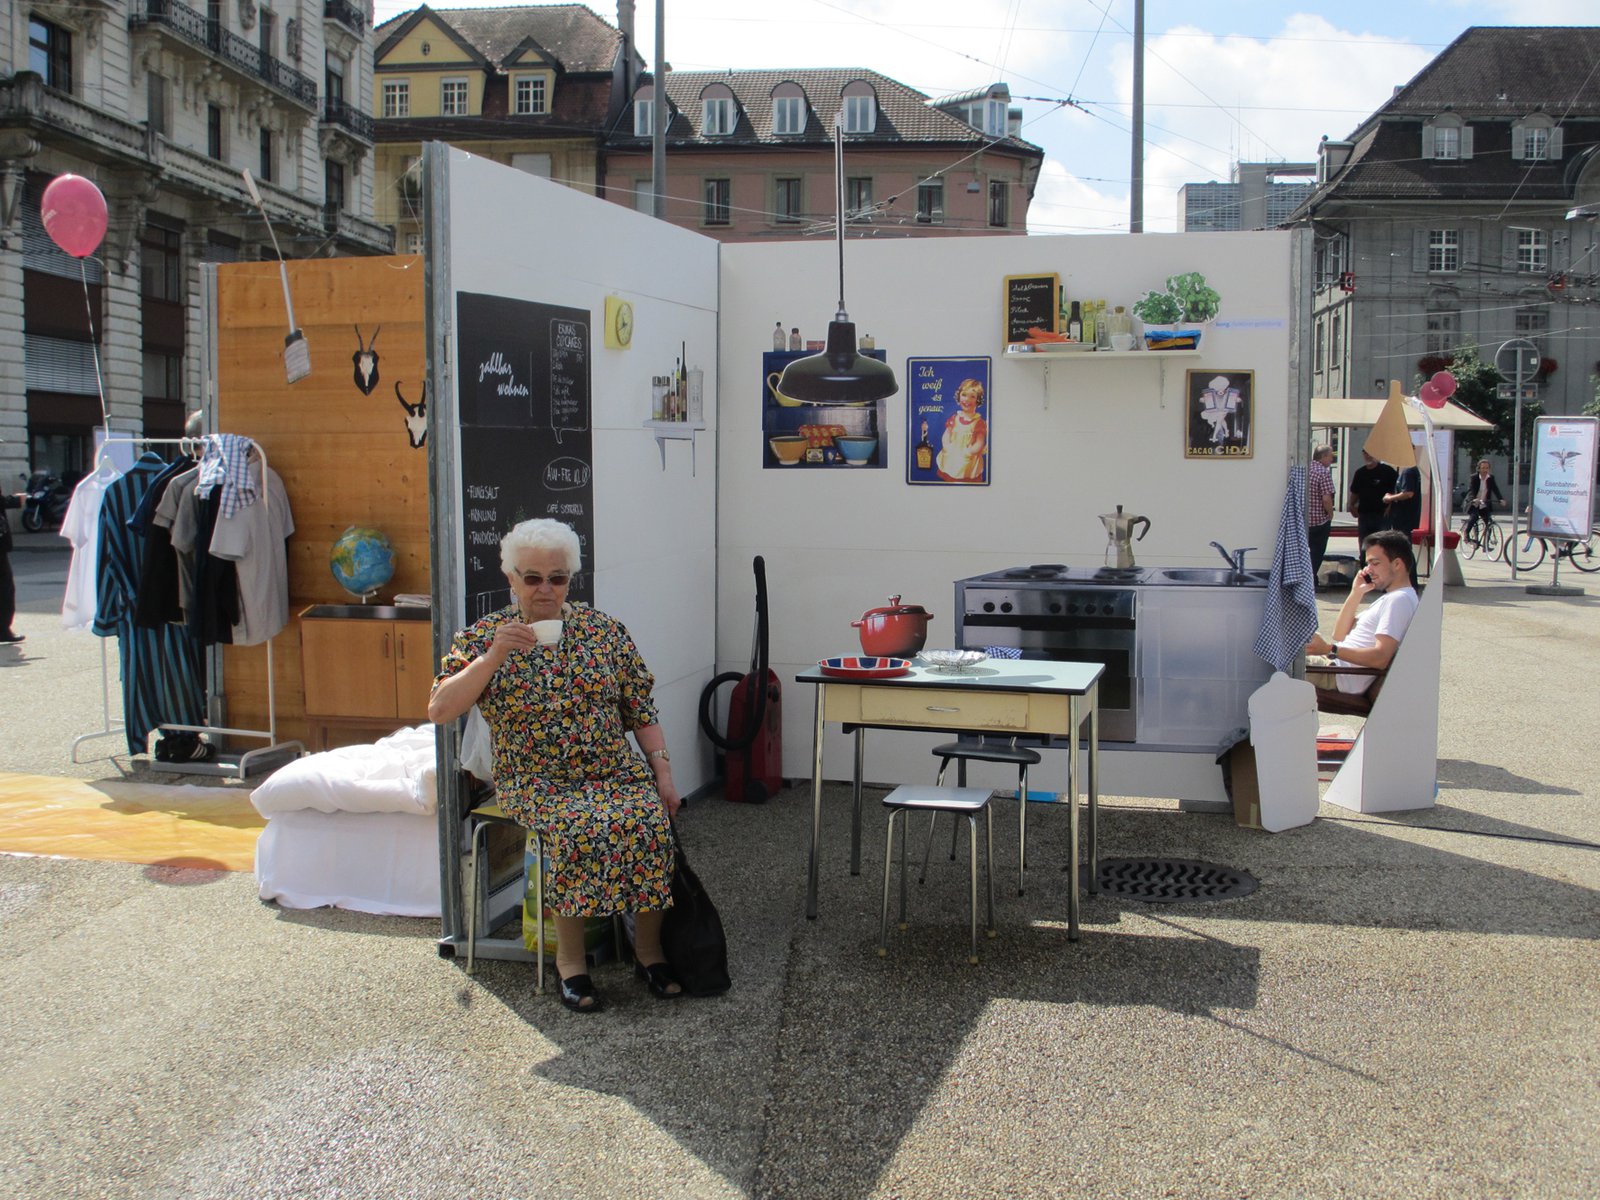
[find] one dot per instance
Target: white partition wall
(504, 233)
(1070, 439)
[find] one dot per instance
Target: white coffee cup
(548, 632)
(1122, 341)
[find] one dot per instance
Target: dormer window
(530, 95)
(1535, 138)
(1447, 142)
(718, 113)
(644, 111)
(860, 107)
(1446, 138)
(1536, 143)
(788, 109)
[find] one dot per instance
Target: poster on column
(1563, 477)
(947, 412)
(524, 397)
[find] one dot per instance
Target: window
(999, 207)
(163, 376)
(858, 199)
(1533, 250)
(1535, 143)
(537, 163)
(930, 202)
(155, 103)
(1322, 347)
(161, 263)
(1444, 250)
(1533, 323)
(413, 243)
(786, 200)
(50, 53)
(397, 98)
(860, 114)
(1336, 343)
(269, 159)
(718, 118)
(333, 80)
(644, 197)
(1443, 332)
(644, 116)
(333, 185)
(531, 96)
(1447, 142)
(214, 132)
(453, 97)
(718, 193)
(789, 114)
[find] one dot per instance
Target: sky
(1242, 80)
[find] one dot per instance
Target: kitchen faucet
(1234, 558)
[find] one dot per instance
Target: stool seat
(482, 817)
(942, 799)
(995, 752)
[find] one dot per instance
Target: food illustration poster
(1219, 414)
(800, 436)
(949, 432)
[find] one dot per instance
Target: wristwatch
(655, 754)
(1333, 650)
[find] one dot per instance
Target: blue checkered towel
(227, 461)
(1290, 617)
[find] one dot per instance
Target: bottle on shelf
(1088, 322)
(794, 339)
(1075, 323)
(924, 451)
(778, 340)
(868, 342)
(1102, 326)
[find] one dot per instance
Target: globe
(362, 560)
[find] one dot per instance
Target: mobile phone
(1366, 576)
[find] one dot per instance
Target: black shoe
(13, 637)
(577, 993)
(658, 977)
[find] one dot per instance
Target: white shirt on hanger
(81, 527)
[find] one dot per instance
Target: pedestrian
(1405, 501)
(1319, 506)
(1370, 483)
(8, 582)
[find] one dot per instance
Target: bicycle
(1534, 550)
(1479, 532)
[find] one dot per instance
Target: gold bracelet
(655, 754)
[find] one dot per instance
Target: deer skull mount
(416, 416)
(366, 361)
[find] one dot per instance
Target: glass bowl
(952, 660)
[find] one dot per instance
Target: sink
(368, 612)
(1215, 576)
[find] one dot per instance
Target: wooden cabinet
(364, 675)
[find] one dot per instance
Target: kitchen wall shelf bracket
(674, 431)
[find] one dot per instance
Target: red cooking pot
(897, 631)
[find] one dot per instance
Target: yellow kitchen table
(1000, 696)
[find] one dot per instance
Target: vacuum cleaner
(752, 749)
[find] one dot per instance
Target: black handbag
(692, 937)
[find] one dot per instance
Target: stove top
(1058, 573)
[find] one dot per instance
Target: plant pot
(1179, 337)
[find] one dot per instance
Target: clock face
(624, 323)
(619, 323)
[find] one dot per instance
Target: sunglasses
(559, 579)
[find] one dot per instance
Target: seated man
(1371, 639)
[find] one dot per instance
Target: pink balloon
(1444, 383)
(74, 214)
(1430, 396)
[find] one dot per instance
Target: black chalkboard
(1031, 300)
(525, 433)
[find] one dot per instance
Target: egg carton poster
(950, 432)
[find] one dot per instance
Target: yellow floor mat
(114, 821)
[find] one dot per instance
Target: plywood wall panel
(344, 457)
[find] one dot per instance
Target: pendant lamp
(839, 375)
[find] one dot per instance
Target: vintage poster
(1563, 477)
(1219, 414)
(818, 435)
(949, 435)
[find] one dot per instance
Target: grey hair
(1321, 450)
(541, 534)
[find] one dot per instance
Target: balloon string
(94, 345)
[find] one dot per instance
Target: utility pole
(1136, 194)
(658, 122)
(1524, 366)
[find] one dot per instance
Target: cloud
(1065, 203)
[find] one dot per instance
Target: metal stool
(482, 818)
(965, 802)
(984, 749)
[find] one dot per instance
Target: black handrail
(348, 15)
(199, 30)
(338, 112)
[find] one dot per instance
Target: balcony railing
(348, 15)
(346, 116)
(196, 29)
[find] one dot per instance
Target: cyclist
(1482, 492)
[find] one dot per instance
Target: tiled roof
(1508, 70)
(579, 39)
(904, 113)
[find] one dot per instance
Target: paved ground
(1404, 1008)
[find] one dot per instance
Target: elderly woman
(559, 712)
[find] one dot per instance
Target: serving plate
(953, 661)
(865, 667)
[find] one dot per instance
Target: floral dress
(558, 718)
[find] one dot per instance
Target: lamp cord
(838, 184)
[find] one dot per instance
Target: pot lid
(896, 609)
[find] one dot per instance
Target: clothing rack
(223, 765)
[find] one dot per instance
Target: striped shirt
(1319, 494)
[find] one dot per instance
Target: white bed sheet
(385, 863)
(396, 774)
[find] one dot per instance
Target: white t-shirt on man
(1390, 615)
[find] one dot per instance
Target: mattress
(372, 862)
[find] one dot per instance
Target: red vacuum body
(752, 749)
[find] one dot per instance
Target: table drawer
(943, 709)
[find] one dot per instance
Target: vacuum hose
(758, 667)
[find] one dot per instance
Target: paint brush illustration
(296, 350)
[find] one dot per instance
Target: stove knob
(1055, 606)
(1108, 610)
(988, 606)
(1005, 606)
(1072, 608)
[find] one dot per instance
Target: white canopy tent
(1354, 412)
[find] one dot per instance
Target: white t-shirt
(1390, 615)
(81, 527)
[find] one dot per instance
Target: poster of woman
(1220, 412)
(949, 435)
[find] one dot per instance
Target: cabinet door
(413, 669)
(348, 667)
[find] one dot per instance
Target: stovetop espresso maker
(1119, 536)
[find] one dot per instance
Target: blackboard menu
(1031, 300)
(525, 434)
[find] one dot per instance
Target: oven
(1059, 618)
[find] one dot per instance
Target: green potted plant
(1172, 318)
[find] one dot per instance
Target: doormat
(1170, 880)
(115, 821)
